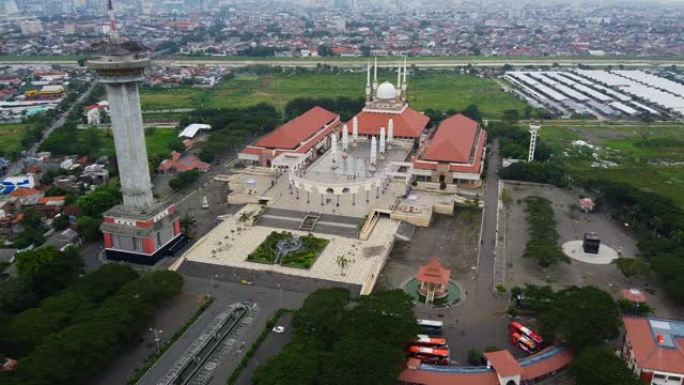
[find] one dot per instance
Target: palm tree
(342, 262)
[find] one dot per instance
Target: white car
(279, 329)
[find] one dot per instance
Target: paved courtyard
(232, 241)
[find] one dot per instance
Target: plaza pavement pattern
(232, 241)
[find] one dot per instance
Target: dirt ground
(571, 225)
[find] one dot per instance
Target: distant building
(180, 163)
(30, 27)
(654, 350)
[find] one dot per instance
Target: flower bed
(303, 258)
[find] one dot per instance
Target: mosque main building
(452, 153)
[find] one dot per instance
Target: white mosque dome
(386, 91)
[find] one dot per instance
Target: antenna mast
(113, 32)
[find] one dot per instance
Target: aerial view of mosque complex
(350, 184)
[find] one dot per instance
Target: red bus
(517, 327)
(426, 340)
(524, 343)
(438, 352)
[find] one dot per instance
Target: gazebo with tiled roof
(434, 281)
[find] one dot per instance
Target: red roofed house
(654, 350)
(27, 196)
(50, 206)
(182, 164)
(454, 154)
(297, 142)
(388, 103)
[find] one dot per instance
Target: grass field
(10, 137)
(160, 99)
(657, 169)
(428, 90)
(157, 143)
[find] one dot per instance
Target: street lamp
(157, 339)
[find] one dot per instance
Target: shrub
(184, 179)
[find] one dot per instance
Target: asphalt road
(428, 63)
(225, 293)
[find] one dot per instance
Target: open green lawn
(427, 90)
(168, 98)
(655, 168)
(10, 137)
(157, 143)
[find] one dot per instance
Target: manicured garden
(303, 258)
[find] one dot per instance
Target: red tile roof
(504, 363)
(468, 168)
(24, 192)
(409, 124)
(648, 353)
(51, 200)
(434, 273)
(453, 141)
(291, 134)
(186, 163)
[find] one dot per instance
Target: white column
(399, 76)
(368, 83)
(345, 137)
(333, 149)
(382, 141)
(534, 130)
(129, 143)
(355, 129)
(390, 131)
(403, 83)
(374, 152)
(375, 75)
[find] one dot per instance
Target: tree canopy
(543, 243)
(339, 340)
(575, 311)
(598, 366)
(48, 269)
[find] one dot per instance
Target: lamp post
(157, 339)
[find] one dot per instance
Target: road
(16, 167)
(427, 63)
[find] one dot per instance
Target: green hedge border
(255, 346)
(151, 360)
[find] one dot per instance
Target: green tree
(99, 201)
(184, 179)
(89, 227)
(49, 270)
(598, 366)
(362, 361)
(511, 116)
(16, 294)
(299, 363)
(386, 316)
(322, 315)
(473, 112)
(576, 310)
